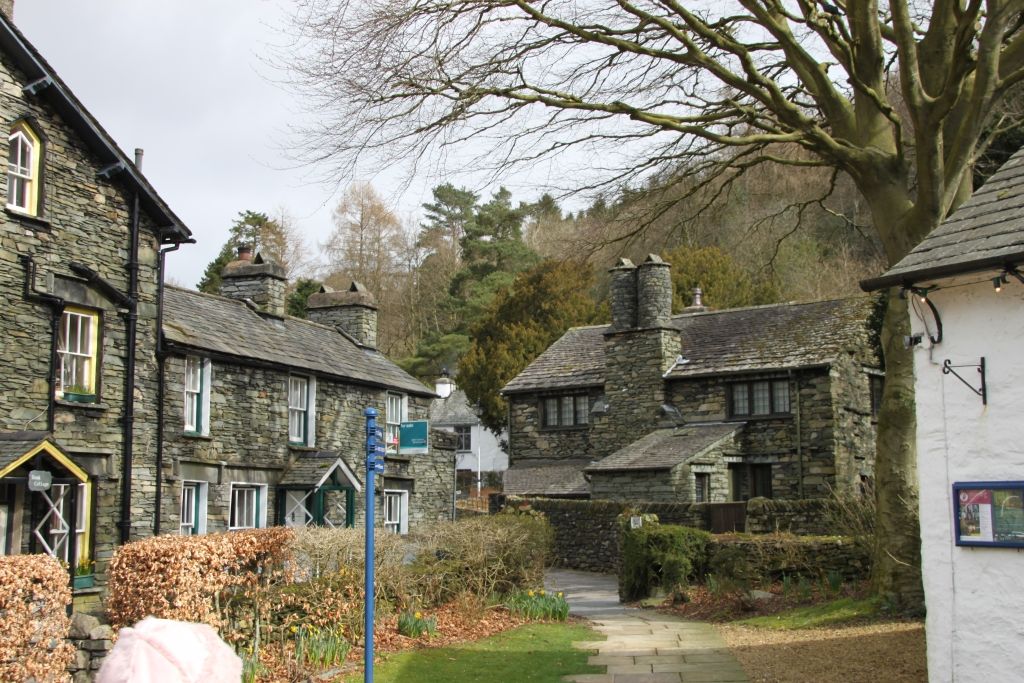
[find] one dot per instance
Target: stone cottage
(236, 416)
(705, 406)
(265, 417)
(82, 242)
(966, 290)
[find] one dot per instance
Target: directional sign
(412, 438)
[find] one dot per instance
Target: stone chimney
(653, 292)
(639, 347)
(623, 295)
(7, 7)
(353, 311)
(260, 281)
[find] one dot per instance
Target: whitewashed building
(967, 314)
(478, 450)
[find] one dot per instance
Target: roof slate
(227, 326)
(453, 410)
(986, 232)
(544, 477)
(759, 338)
(663, 449)
(576, 359)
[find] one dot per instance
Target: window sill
(567, 428)
(301, 447)
(35, 222)
(197, 435)
(84, 406)
(759, 418)
(395, 457)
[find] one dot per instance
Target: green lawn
(538, 653)
(828, 614)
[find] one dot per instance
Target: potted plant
(78, 393)
(84, 573)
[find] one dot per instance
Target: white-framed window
(192, 508)
(396, 511)
(24, 153)
(766, 397)
(463, 438)
(301, 410)
(395, 415)
(248, 506)
(77, 348)
(197, 395)
(566, 411)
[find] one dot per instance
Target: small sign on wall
(989, 513)
(412, 438)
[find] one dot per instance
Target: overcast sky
(183, 80)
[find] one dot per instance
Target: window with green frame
(192, 517)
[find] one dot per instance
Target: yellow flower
(542, 591)
(419, 615)
(559, 593)
(530, 593)
(294, 629)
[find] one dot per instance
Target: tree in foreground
(893, 94)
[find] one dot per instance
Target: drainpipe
(161, 358)
(56, 305)
(128, 418)
(799, 437)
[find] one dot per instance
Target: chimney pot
(244, 252)
(698, 297)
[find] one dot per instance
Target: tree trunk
(896, 567)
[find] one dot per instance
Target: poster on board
(989, 513)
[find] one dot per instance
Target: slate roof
(226, 326)
(13, 445)
(985, 233)
(774, 337)
(575, 360)
(312, 468)
(453, 410)
(758, 338)
(663, 449)
(547, 477)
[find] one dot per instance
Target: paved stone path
(643, 646)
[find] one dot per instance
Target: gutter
(910, 277)
(56, 305)
(161, 379)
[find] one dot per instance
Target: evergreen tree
(522, 322)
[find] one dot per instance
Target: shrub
(538, 604)
(34, 596)
(660, 555)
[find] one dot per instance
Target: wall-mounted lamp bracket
(948, 369)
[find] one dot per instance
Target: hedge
(34, 596)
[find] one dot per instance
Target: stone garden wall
(586, 534)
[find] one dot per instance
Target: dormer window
(24, 154)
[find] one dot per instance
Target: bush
(660, 556)
(34, 596)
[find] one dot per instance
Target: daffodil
(530, 593)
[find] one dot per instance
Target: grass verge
(841, 611)
(535, 653)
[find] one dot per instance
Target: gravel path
(882, 653)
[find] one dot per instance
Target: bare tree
(654, 88)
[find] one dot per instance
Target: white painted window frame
(401, 524)
(259, 505)
(394, 403)
(198, 491)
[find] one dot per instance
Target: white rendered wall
(974, 596)
(492, 458)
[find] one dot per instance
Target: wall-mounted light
(997, 283)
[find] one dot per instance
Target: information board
(989, 513)
(412, 438)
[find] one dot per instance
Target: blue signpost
(374, 464)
